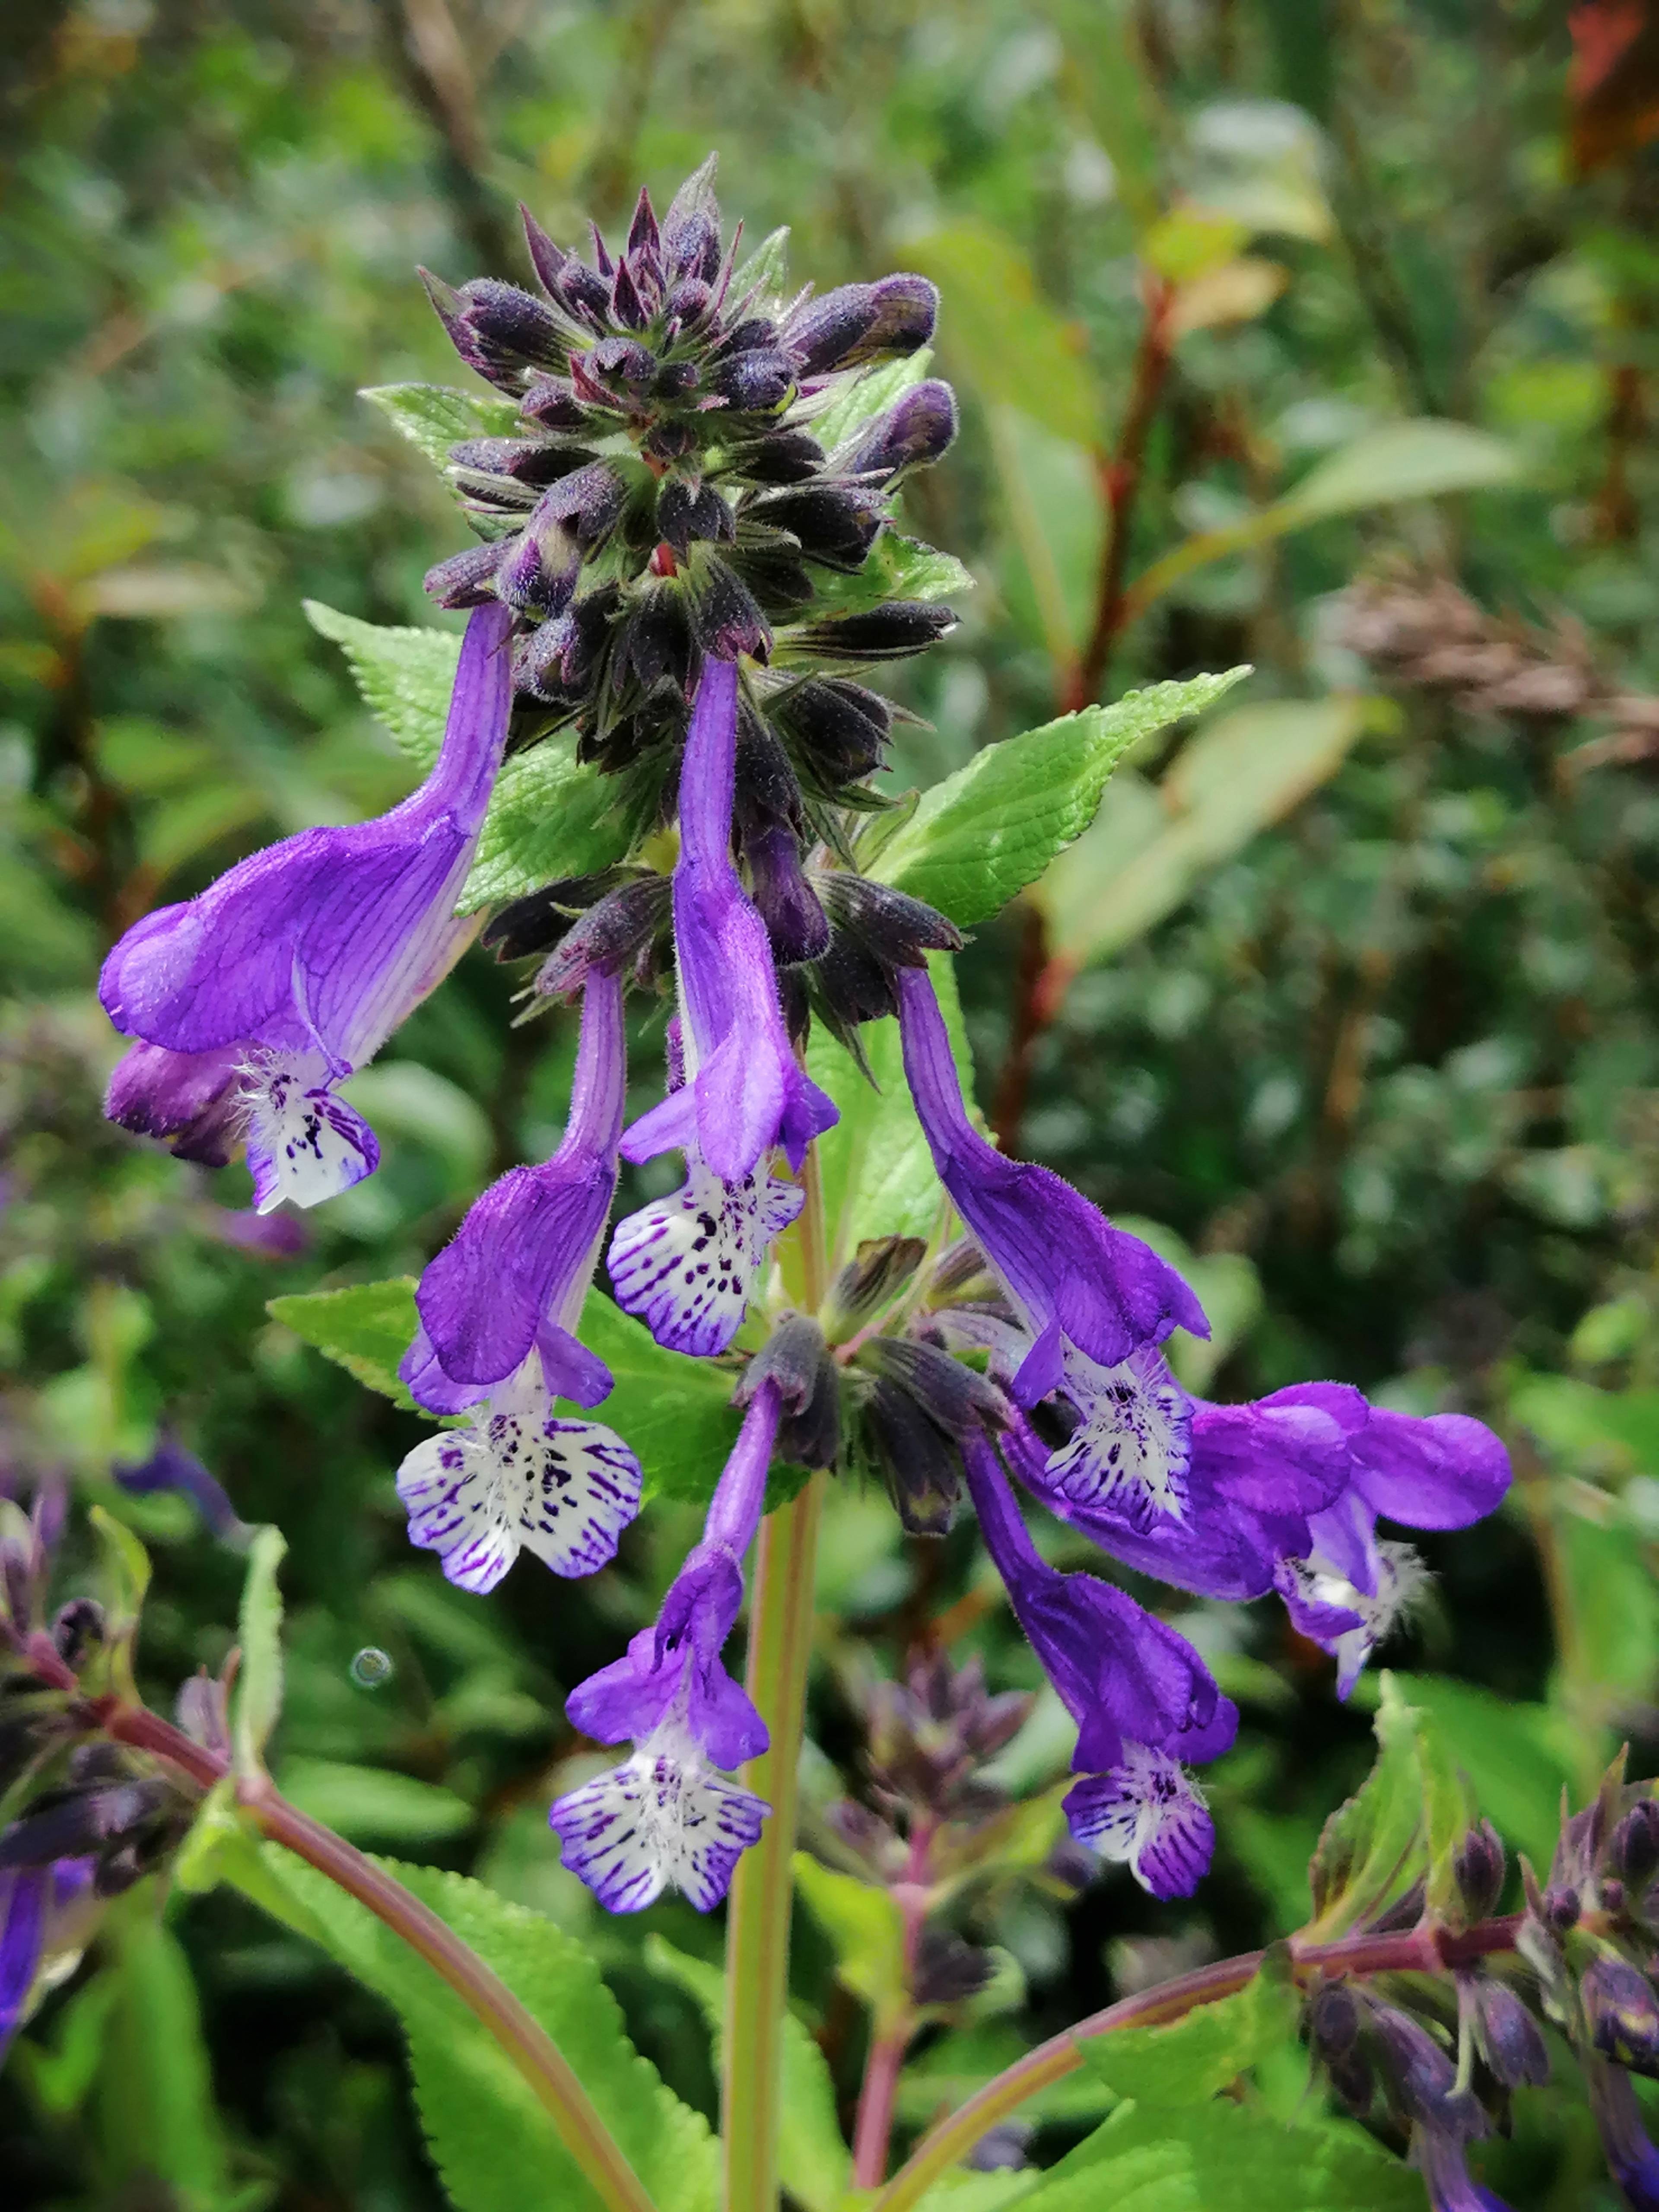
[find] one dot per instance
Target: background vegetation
(1349, 989)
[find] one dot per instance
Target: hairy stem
(532, 2050)
(762, 1890)
(1418, 1950)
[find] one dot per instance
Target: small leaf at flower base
(813, 2162)
(365, 1327)
(126, 1566)
(494, 2146)
(895, 568)
(435, 416)
(406, 675)
(992, 828)
(1192, 2059)
(865, 1931)
(259, 1634)
(867, 397)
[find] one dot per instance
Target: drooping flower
(1143, 1699)
(669, 1816)
(1632, 2156)
(253, 1002)
(1080, 1286)
(499, 1309)
(688, 1264)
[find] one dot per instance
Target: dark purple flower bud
(531, 461)
(610, 936)
(675, 380)
(1634, 1848)
(1420, 2076)
(655, 643)
(551, 403)
(907, 311)
(948, 1970)
(688, 300)
(540, 568)
(779, 457)
(622, 361)
(119, 1868)
(1509, 2038)
(1562, 1908)
(835, 525)
(643, 236)
(497, 329)
(686, 511)
(919, 1464)
(878, 1271)
(725, 619)
(626, 305)
(466, 580)
(754, 382)
(894, 928)
(1478, 1866)
(767, 795)
(843, 727)
(826, 331)
(691, 228)
(957, 1400)
(192, 1100)
(797, 1360)
(78, 1629)
(73, 1823)
(887, 633)
(795, 922)
(1621, 2013)
(560, 657)
(913, 433)
(1001, 2149)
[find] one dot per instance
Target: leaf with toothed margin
(991, 828)
(1190, 2060)
(895, 568)
(493, 2143)
(549, 815)
(435, 416)
(365, 1327)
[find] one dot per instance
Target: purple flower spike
(292, 970)
(688, 1264)
(1081, 1286)
(1143, 1700)
(668, 1817)
(499, 1308)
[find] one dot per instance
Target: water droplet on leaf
(371, 1667)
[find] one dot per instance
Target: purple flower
(1143, 1700)
(44, 1913)
(170, 1466)
(688, 1264)
(668, 1817)
(1346, 1588)
(254, 1001)
(499, 1309)
(1632, 2158)
(1091, 1296)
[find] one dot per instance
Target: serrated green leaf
(492, 2142)
(764, 271)
(549, 815)
(871, 395)
(435, 416)
(875, 1169)
(373, 1804)
(259, 1634)
(1194, 2059)
(814, 2164)
(1223, 2157)
(992, 828)
(865, 1931)
(365, 1327)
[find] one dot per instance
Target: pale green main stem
(763, 1891)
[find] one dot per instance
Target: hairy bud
(1510, 2039)
(1634, 1848)
(1621, 2013)
(1478, 1865)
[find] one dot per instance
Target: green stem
(1417, 1950)
(763, 1891)
(525, 2042)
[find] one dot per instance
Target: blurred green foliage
(1353, 990)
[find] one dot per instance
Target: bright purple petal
(194, 1100)
(1148, 1815)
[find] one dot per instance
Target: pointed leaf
(259, 1634)
(1195, 2058)
(435, 416)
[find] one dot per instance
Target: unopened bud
(879, 1271)
(1333, 2024)
(1561, 1907)
(948, 1970)
(1510, 2041)
(797, 1361)
(1633, 1849)
(1478, 1866)
(1621, 2013)
(78, 1628)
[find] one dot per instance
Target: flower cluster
(671, 561)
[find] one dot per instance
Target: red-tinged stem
(1418, 1950)
(873, 2131)
(542, 2065)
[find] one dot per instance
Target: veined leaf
(493, 2143)
(1195, 2058)
(153, 2105)
(1403, 1826)
(366, 1327)
(895, 568)
(435, 416)
(673, 1411)
(814, 2161)
(992, 828)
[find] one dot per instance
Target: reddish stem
(873, 2131)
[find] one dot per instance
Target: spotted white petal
(688, 1265)
(303, 1143)
(519, 1477)
(1147, 1814)
(1401, 1579)
(1132, 1448)
(663, 1819)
